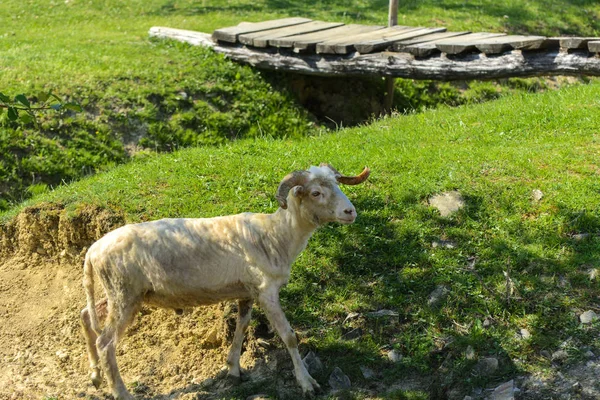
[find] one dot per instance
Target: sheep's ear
(298, 191)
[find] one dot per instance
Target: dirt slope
(42, 351)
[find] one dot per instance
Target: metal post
(389, 81)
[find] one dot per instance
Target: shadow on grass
(533, 276)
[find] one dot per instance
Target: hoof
(233, 380)
(96, 379)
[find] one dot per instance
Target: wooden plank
(344, 43)
(594, 46)
(230, 34)
(309, 41)
(575, 42)
(427, 48)
(289, 41)
(469, 66)
(401, 45)
(501, 44)
(376, 45)
(261, 38)
(465, 43)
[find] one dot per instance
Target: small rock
(447, 203)
(382, 313)
(338, 380)
(350, 316)
(545, 354)
(486, 366)
(367, 372)
(394, 356)
(537, 195)
(41, 251)
(563, 282)
(560, 355)
(438, 295)
(506, 391)
(313, 363)
(589, 354)
(470, 353)
(211, 340)
(468, 398)
(487, 323)
(525, 334)
(446, 244)
(580, 236)
(263, 343)
(353, 334)
(62, 355)
(588, 317)
(258, 397)
(208, 382)
(183, 95)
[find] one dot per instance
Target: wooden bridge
(313, 47)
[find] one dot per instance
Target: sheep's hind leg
(90, 340)
(117, 320)
(233, 358)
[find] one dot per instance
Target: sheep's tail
(88, 285)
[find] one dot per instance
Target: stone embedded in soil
(445, 244)
(353, 334)
(447, 203)
(437, 295)
(62, 355)
(338, 380)
(588, 317)
(537, 195)
(263, 343)
(545, 354)
(382, 313)
(505, 391)
(560, 355)
(486, 366)
(367, 372)
(589, 354)
(524, 334)
(313, 363)
(580, 236)
(394, 356)
(258, 397)
(350, 316)
(470, 353)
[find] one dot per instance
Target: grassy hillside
(144, 95)
(517, 262)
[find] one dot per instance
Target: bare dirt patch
(42, 350)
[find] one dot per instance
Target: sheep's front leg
(243, 319)
(269, 301)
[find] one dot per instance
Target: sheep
(177, 263)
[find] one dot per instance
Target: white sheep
(176, 263)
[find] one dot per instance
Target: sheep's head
(318, 194)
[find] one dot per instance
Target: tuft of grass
(516, 264)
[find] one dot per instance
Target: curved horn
(293, 179)
(349, 180)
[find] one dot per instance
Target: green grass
(494, 153)
(145, 95)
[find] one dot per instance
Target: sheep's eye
(315, 194)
